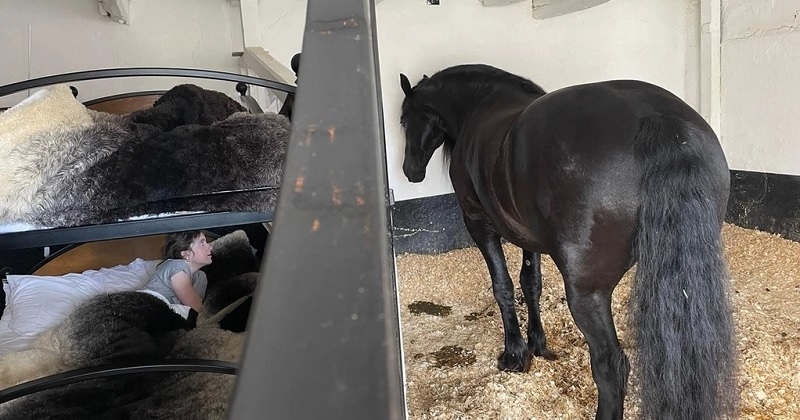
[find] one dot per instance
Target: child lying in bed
(178, 278)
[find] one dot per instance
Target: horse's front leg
(530, 280)
(515, 357)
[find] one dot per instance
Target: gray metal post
(323, 339)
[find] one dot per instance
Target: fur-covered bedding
(66, 165)
(133, 326)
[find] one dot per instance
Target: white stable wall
(636, 39)
(760, 89)
(45, 37)
(619, 39)
(654, 40)
(282, 25)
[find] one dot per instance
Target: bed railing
(141, 71)
(104, 371)
(127, 229)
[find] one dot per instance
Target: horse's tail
(681, 316)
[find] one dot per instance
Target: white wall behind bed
(45, 37)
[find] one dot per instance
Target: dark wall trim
(429, 225)
(766, 202)
(758, 200)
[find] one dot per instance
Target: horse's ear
(424, 77)
(405, 84)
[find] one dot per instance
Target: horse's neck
(464, 110)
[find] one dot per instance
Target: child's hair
(179, 242)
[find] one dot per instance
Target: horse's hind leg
(530, 279)
(591, 310)
(515, 357)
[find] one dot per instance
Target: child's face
(200, 251)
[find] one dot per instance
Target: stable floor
(452, 334)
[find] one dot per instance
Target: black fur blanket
(133, 326)
(85, 167)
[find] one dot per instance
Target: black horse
(599, 176)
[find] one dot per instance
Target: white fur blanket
(65, 165)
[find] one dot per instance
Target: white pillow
(10, 340)
(36, 303)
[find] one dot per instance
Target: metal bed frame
(125, 229)
(324, 337)
(104, 371)
(142, 71)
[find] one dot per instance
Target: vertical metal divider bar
(324, 338)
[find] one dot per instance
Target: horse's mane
(447, 149)
(468, 77)
(479, 74)
(476, 76)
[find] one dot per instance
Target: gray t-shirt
(161, 281)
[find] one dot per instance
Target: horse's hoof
(509, 362)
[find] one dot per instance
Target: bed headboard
(93, 255)
(126, 103)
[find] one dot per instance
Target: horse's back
(576, 163)
(609, 104)
(599, 124)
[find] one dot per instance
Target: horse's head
(423, 128)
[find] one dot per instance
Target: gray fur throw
(66, 165)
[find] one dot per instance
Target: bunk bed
(43, 217)
(325, 342)
(215, 165)
(119, 353)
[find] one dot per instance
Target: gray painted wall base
(766, 202)
(429, 225)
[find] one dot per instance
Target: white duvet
(36, 303)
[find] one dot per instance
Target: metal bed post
(324, 341)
